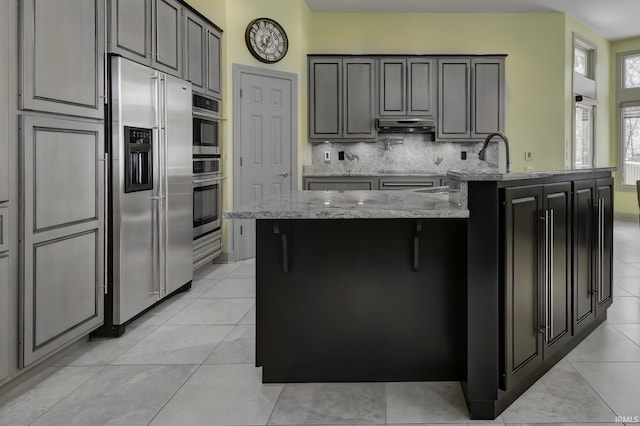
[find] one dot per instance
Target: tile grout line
(177, 390)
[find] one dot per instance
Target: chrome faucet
(483, 152)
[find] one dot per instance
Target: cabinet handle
(285, 248)
(551, 270)
(600, 249)
(546, 276)
(416, 246)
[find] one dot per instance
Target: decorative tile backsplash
(402, 152)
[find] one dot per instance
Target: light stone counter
(352, 205)
(500, 177)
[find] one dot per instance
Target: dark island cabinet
(537, 290)
(593, 256)
(341, 98)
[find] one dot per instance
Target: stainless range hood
(410, 125)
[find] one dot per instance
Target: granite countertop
(496, 176)
(352, 205)
(379, 173)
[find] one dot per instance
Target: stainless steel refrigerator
(151, 196)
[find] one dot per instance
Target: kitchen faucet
(483, 152)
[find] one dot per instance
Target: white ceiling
(613, 19)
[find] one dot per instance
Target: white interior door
(266, 147)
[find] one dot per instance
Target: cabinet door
(358, 98)
(63, 71)
(393, 87)
(212, 65)
(194, 53)
(4, 317)
(339, 184)
(453, 99)
(584, 198)
(604, 244)
(557, 266)
(325, 98)
(523, 345)
(421, 87)
(130, 29)
(63, 248)
(487, 104)
(4, 100)
(167, 37)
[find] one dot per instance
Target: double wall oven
(207, 180)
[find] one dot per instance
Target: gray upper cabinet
(212, 62)
(470, 98)
(130, 29)
(406, 87)
(62, 249)
(148, 32)
(62, 71)
(341, 98)
(194, 53)
(167, 37)
(487, 107)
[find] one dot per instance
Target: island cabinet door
(584, 199)
(556, 266)
(523, 331)
(604, 244)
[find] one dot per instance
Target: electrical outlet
(463, 155)
(327, 156)
(340, 155)
(528, 156)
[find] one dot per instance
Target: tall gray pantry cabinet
(61, 94)
(5, 246)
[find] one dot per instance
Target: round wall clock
(266, 40)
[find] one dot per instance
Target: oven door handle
(207, 116)
(216, 179)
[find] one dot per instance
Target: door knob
(285, 174)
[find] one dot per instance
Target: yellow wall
(535, 85)
(626, 201)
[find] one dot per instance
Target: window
(628, 113)
(631, 71)
(583, 146)
(584, 89)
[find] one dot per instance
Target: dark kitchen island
(485, 284)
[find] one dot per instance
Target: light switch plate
(327, 156)
(528, 156)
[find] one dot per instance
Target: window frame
(624, 98)
(584, 91)
(586, 103)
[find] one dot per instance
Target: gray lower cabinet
(62, 249)
(213, 62)
(340, 184)
(4, 316)
(167, 37)
(62, 70)
(470, 97)
(341, 98)
(406, 87)
(130, 29)
(390, 183)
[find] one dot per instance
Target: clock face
(266, 40)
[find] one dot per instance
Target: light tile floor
(190, 361)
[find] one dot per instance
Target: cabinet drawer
(340, 185)
(390, 184)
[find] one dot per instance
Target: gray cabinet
(62, 248)
(213, 62)
(4, 317)
(194, 53)
(341, 98)
(130, 29)
(340, 184)
(470, 98)
(406, 87)
(62, 71)
(167, 37)
(390, 183)
(148, 32)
